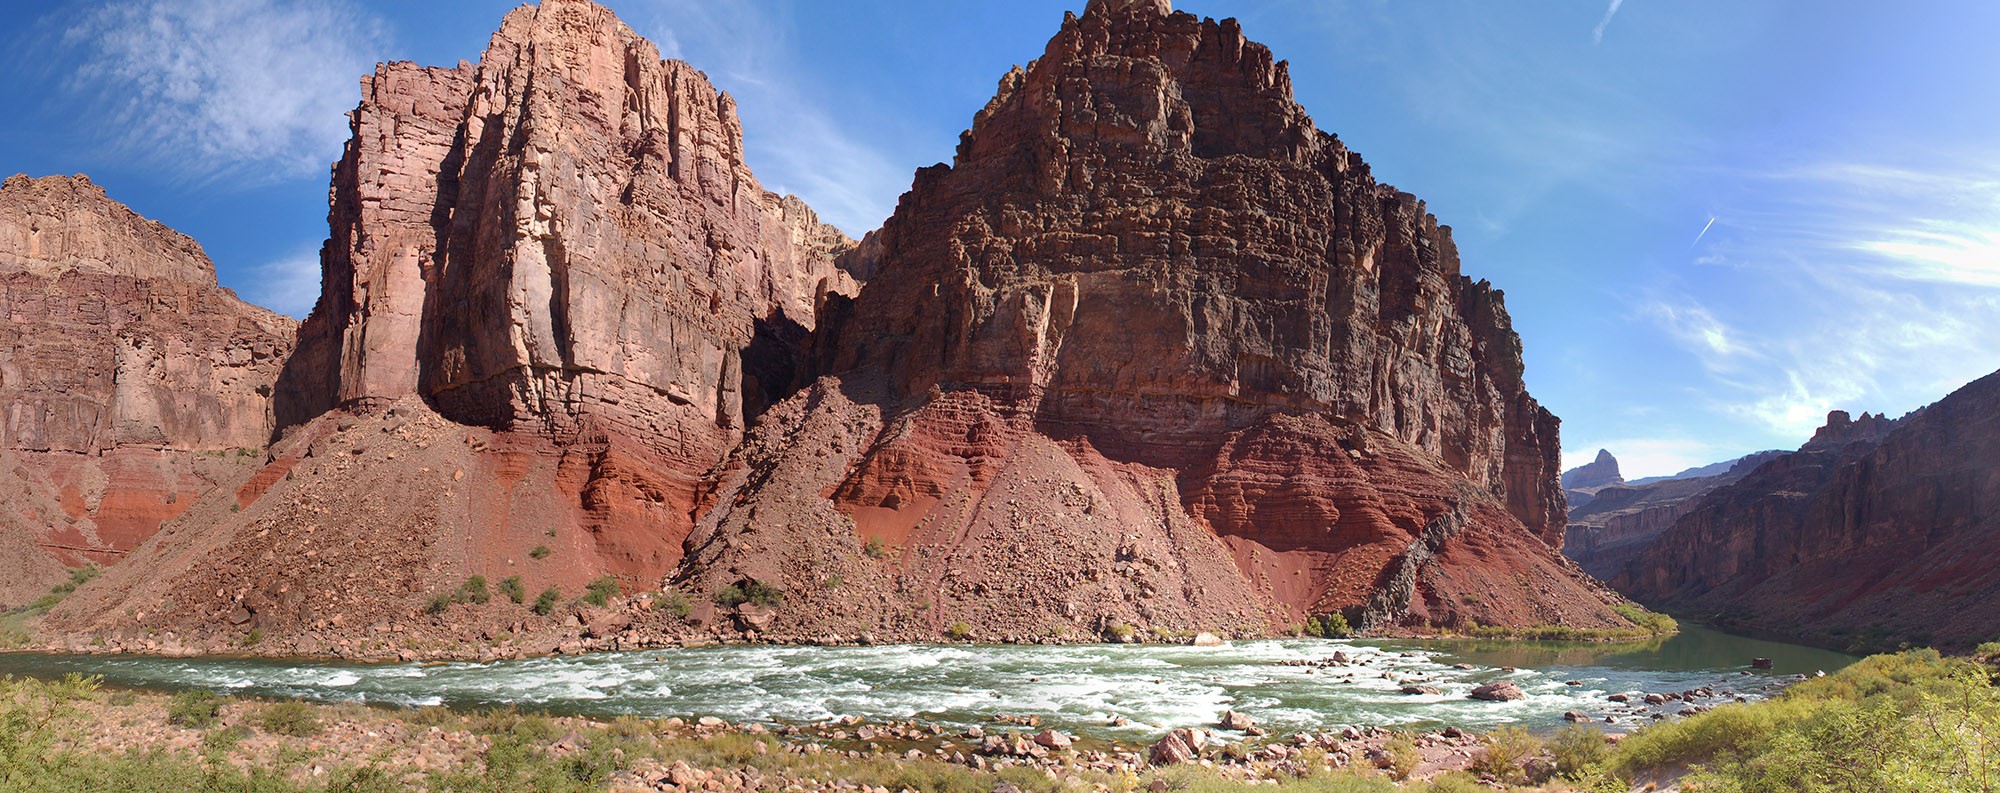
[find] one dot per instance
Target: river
(1078, 688)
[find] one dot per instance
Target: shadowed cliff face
(1876, 531)
(130, 383)
(1149, 295)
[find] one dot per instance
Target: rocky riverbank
(331, 746)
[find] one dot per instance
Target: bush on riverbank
(1910, 721)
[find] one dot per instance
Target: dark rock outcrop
(1874, 532)
(1155, 351)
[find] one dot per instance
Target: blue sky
(1715, 220)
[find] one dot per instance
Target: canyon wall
(1152, 321)
(1875, 532)
(1614, 524)
(130, 382)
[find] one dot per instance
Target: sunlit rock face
(1151, 321)
(130, 382)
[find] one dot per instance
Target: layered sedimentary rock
(1152, 322)
(564, 240)
(553, 297)
(1614, 524)
(130, 382)
(1874, 532)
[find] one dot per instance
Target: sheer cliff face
(1146, 259)
(1145, 240)
(129, 381)
(563, 240)
(1876, 531)
(564, 234)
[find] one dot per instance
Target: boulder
(1503, 691)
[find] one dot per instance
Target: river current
(1077, 688)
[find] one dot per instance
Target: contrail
(1597, 36)
(1704, 229)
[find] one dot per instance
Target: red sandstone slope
(558, 270)
(1154, 351)
(1874, 532)
(130, 383)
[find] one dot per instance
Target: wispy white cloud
(1694, 325)
(246, 88)
(288, 286)
(1597, 35)
(795, 142)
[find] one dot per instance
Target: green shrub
(540, 552)
(513, 589)
(1578, 750)
(440, 603)
(875, 549)
(601, 591)
(1329, 626)
(1122, 632)
(675, 603)
(195, 709)
(1652, 623)
(546, 602)
(1404, 756)
(294, 719)
(474, 590)
(1507, 752)
(750, 591)
(959, 630)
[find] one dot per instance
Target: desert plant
(1404, 756)
(875, 549)
(675, 603)
(546, 602)
(1329, 626)
(1578, 750)
(959, 631)
(1507, 752)
(601, 591)
(294, 719)
(513, 589)
(439, 603)
(540, 552)
(195, 709)
(474, 590)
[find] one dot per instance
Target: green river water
(1079, 688)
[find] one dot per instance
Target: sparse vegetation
(293, 719)
(439, 603)
(514, 590)
(1329, 626)
(474, 590)
(675, 603)
(875, 549)
(1122, 633)
(959, 631)
(1506, 755)
(749, 591)
(1404, 757)
(601, 591)
(1653, 624)
(196, 709)
(540, 552)
(546, 602)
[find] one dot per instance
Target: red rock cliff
(564, 240)
(130, 382)
(1152, 321)
(1875, 532)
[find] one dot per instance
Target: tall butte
(1153, 352)
(553, 298)
(131, 384)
